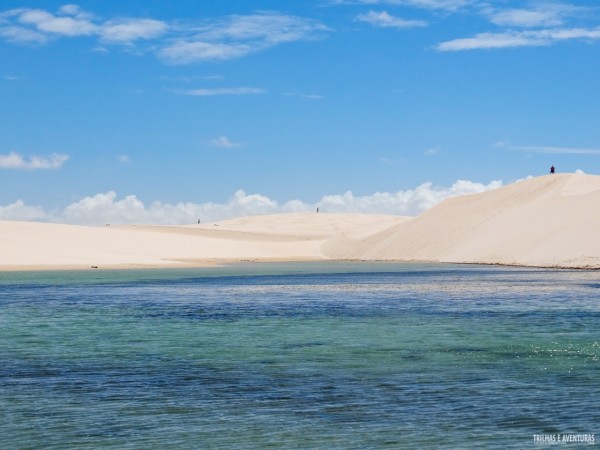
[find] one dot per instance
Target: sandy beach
(548, 221)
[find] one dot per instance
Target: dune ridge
(548, 221)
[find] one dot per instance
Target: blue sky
(174, 103)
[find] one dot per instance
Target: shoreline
(208, 263)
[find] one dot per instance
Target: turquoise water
(298, 356)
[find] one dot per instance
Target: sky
(154, 111)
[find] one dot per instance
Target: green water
(298, 356)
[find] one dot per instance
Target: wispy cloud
(542, 24)
(384, 20)
(556, 150)
(14, 160)
(307, 96)
(223, 142)
(236, 36)
(225, 91)
(528, 38)
(207, 40)
(449, 5)
(186, 52)
(541, 15)
(124, 159)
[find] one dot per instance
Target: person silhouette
(552, 169)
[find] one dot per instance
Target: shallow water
(315, 355)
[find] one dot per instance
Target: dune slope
(548, 221)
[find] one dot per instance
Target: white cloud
(129, 30)
(125, 159)
(225, 91)
(542, 15)
(186, 52)
(38, 26)
(237, 36)
(449, 5)
(22, 35)
(223, 142)
(73, 10)
(14, 160)
(526, 18)
(410, 202)
(46, 22)
(209, 40)
(385, 20)
(262, 29)
(108, 208)
(312, 96)
(519, 39)
(19, 211)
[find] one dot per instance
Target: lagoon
(298, 355)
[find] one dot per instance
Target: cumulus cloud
(14, 160)
(409, 202)
(107, 207)
(20, 211)
(384, 20)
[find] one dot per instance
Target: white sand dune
(549, 221)
(29, 245)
